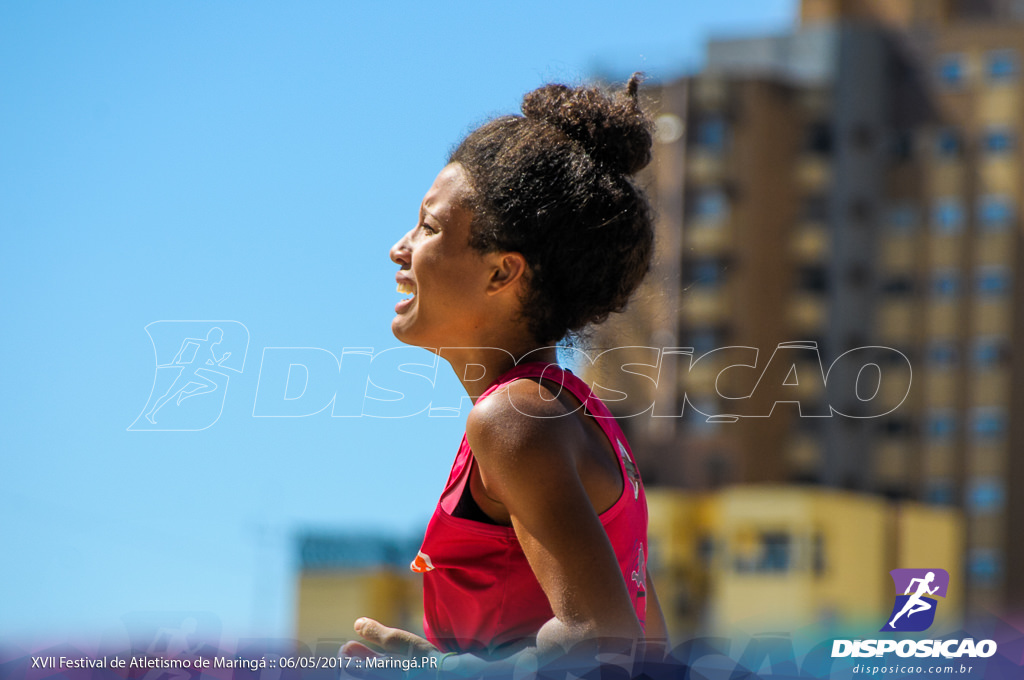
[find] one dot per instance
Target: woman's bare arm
(524, 451)
(655, 628)
(524, 448)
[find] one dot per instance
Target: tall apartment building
(854, 185)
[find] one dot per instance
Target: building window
(711, 134)
(813, 279)
(948, 215)
(992, 281)
(946, 283)
(939, 492)
(706, 551)
(941, 425)
(902, 217)
(898, 285)
(985, 495)
(896, 427)
(818, 138)
(768, 552)
(707, 273)
(700, 417)
(863, 137)
(710, 204)
(988, 423)
(951, 70)
(947, 143)
(703, 341)
(819, 561)
(901, 145)
(857, 275)
(942, 353)
(990, 351)
(814, 208)
(861, 210)
(897, 359)
(995, 212)
(1001, 65)
(998, 140)
(983, 566)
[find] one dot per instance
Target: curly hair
(555, 184)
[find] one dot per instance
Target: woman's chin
(397, 328)
(400, 329)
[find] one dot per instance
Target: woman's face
(446, 278)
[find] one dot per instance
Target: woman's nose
(400, 251)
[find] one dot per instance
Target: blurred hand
(392, 641)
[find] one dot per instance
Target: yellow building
(345, 576)
(743, 560)
(756, 559)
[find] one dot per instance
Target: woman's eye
(428, 228)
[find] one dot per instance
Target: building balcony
(810, 243)
(704, 167)
(699, 381)
(940, 386)
(899, 252)
(986, 531)
(992, 317)
(1000, 175)
(807, 313)
(945, 250)
(891, 460)
(810, 381)
(943, 318)
(896, 321)
(709, 93)
(946, 177)
(804, 454)
(988, 458)
(995, 248)
(707, 238)
(939, 460)
(813, 173)
(990, 387)
(704, 307)
(894, 392)
(997, 105)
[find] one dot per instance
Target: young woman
(533, 231)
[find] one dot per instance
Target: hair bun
(611, 129)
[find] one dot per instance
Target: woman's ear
(509, 269)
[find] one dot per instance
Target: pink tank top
(479, 592)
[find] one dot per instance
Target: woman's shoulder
(522, 419)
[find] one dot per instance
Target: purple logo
(915, 605)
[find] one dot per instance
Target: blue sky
(248, 162)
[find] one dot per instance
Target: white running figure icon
(915, 603)
(191, 371)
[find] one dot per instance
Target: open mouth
(406, 288)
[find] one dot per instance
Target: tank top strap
(568, 380)
(592, 405)
(463, 465)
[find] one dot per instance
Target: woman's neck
(477, 368)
